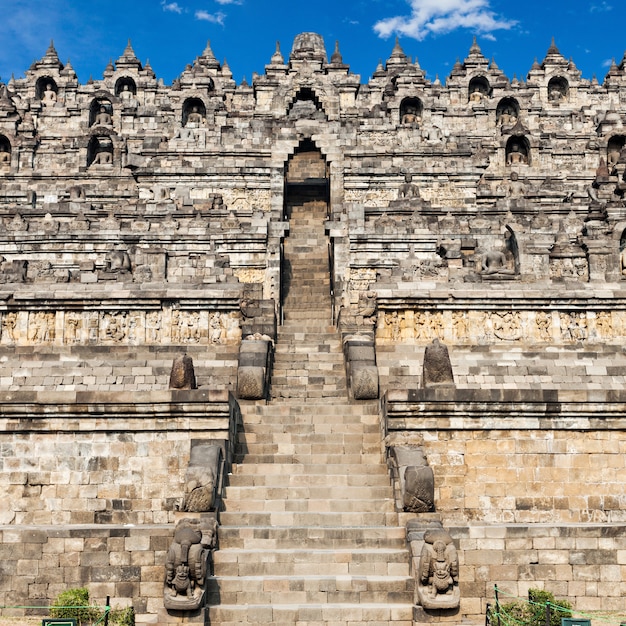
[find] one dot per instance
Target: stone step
(270, 537)
(291, 471)
(327, 491)
(321, 589)
(307, 561)
(308, 519)
(324, 481)
(309, 414)
(317, 459)
(307, 393)
(323, 614)
(312, 505)
(299, 431)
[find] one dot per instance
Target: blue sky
(171, 33)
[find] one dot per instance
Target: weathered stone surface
(437, 367)
(251, 382)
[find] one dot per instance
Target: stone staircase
(309, 535)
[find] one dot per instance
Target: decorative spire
(128, 58)
(51, 52)
(475, 48)
(277, 57)
(336, 58)
(397, 55)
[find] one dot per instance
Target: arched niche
(507, 112)
(622, 254)
(517, 151)
(614, 148)
(46, 89)
(194, 112)
(478, 89)
(125, 87)
(5, 152)
(558, 89)
(411, 110)
(100, 150)
(100, 112)
(305, 104)
(512, 247)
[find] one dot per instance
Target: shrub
(73, 604)
(532, 612)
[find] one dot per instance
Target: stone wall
(584, 563)
(125, 563)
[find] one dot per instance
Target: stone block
(251, 383)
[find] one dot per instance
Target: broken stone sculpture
(438, 581)
(182, 375)
(414, 477)
(186, 564)
(437, 366)
(202, 476)
(254, 365)
(360, 356)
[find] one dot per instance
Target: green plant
(73, 604)
(531, 612)
(122, 617)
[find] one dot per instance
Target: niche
(613, 150)
(305, 104)
(100, 151)
(558, 89)
(101, 112)
(5, 152)
(411, 112)
(478, 89)
(517, 151)
(507, 112)
(125, 88)
(194, 112)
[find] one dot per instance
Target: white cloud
(172, 7)
(607, 62)
(214, 18)
(229, 1)
(437, 17)
(600, 8)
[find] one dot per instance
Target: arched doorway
(307, 257)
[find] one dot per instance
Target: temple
(313, 350)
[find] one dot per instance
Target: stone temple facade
(404, 313)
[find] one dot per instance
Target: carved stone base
(178, 602)
(364, 382)
(251, 383)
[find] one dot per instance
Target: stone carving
(41, 327)
(202, 476)
(185, 327)
(49, 96)
(255, 355)
(118, 262)
(13, 271)
(103, 118)
(460, 325)
(115, 327)
(516, 155)
(573, 326)
(394, 324)
(360, 355)
(438, 581)
(73, 326)
(415, 478)
(604, 324)
(437, 369)
(153, 326)
(9, 323)
(186, 564)
(497, 262)
(543, 322)
(182, 375)
(428, 325)
(408, 189)
(507, 326)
